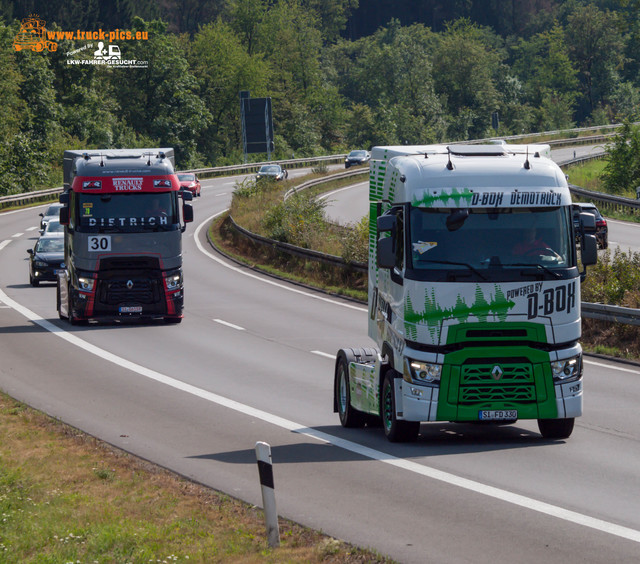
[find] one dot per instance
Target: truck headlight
(420, 372)
(567, 370)
(173, 281)
(85, 284)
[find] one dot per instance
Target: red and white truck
(123, 236)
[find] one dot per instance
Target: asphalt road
(253, 361)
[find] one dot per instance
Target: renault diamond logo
(129, 284)
(497, 372)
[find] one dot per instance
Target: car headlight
(420, 372)
(567, 370)
(85, 284)
(40, 263)
(173, 281)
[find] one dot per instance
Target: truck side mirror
(64, 198)
(187, 196)
(386, 252)
(64, 215)
(589, 250)
(187, 213)
(386, 246)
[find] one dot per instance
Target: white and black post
(265, 469)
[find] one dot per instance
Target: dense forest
(341, 74)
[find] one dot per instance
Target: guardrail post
(265, 469)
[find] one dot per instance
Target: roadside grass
(587, 176)
(66, 497)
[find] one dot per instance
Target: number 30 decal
(100, 243)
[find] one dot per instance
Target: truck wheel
(396, 431)
(556, 428)
(59, 301)
(349, 417)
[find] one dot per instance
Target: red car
(189, 181)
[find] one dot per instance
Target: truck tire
(349, 417)
(397, 431)
(59, 301)
(556, 428)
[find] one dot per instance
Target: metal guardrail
(617, 314)
(299, 251)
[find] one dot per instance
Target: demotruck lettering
(535, 199)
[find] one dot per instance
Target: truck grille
(479, 382)
(141, 291)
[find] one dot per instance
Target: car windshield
(53, 210)
(270, 168)
(497, 240)
(54, 226)
(128, 212)
(186, 177)
(50, 245)
(358, 154)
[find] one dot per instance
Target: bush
(355, 242)
(298, 221)
(614, 280)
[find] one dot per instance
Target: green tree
(622, 172)
(223, 67)
(466, 65)
(550, 78)
(162, 101)
(597, 49)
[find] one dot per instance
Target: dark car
(45, 259)
(601, 223)
(189, 181)
(357, 157)
(272, 171)
(52, 212)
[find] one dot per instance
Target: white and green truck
(474, 292)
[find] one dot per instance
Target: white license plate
(498, 415)
(130, 309)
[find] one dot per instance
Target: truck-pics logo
(127, 184)
(33, 35)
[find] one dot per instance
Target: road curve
(252, 362)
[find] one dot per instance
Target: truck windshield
(130, 212)
(491, 243)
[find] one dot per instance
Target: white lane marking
(327, 355)
(15, 235)
(385, 458)
(328, 194)
(32, 228)
(265, 280)
(222, 194)
(226, 323)
(612, 367)
(4, 243)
